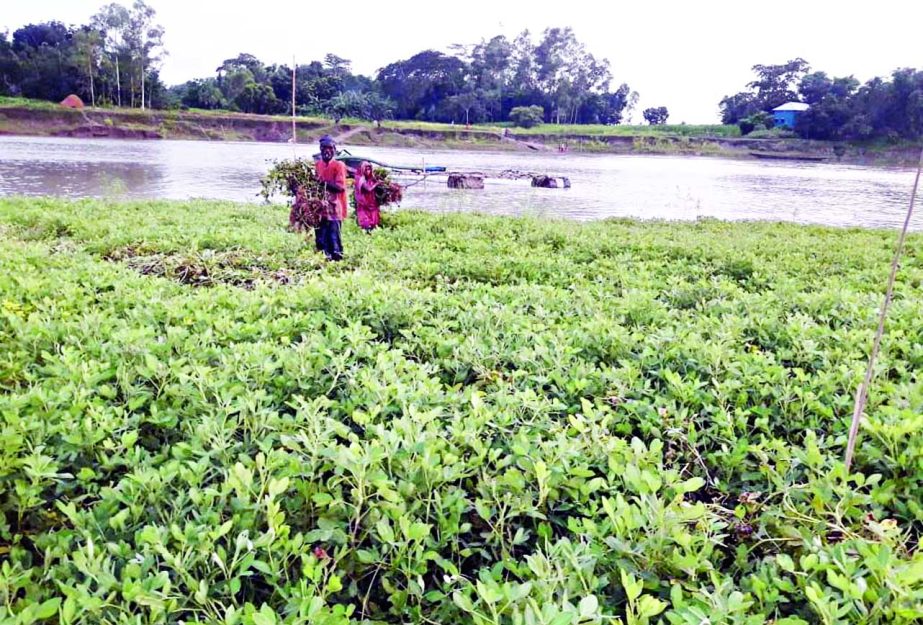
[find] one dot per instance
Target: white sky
(682, 54)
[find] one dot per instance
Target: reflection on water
(660, 187)
(78, 179)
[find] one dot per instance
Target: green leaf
(837, 581)
(650, 606)
(689, 486)
(388, 495)
(277, 487)
(322, 499)
(809, 562)
(785, 562)
(632, 587)
(266, 616)
(489, 592)
(367, 557)
(384, 531)
(911, 574)
(68, 611)
(418, 531)
(462, 601)
(243, 478)
(813, 593)
(201, 595)
(263, 568)
(588, 607)
(48, 609)
(222, 530)
(521, 591)
(129, 439)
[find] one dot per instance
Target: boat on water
(787, 156)
(352, 164)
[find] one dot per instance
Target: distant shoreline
(55, 121)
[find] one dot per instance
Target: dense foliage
(469, 420)
(527, 116)
(115, 58)
(107, 60)
(656, 116)
(112, 60)
(840, 108)
(297, 180)
(388, 192)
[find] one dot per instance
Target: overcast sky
(682, 54)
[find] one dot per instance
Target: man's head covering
(327, 140)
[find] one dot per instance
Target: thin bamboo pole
(294, 133)
(862, 392)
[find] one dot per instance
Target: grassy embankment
(38, 118)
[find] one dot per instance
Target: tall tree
(147, 40)
(257, 70)
(491, 72)
(258, 98)
(88, 45)
(738, 106)
(523, 65)
(47, 34)
(468, 106)
(774, 85)
(567, 73)
(337, 67)
(202, 93)
(10, 71)
(44, 52)
(114, 22)
(379, 107)
(419, 84)
(814, 87)
(606, 108)
(656, 115)
(632, 104)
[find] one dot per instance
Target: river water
(647, 187)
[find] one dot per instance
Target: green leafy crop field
(469, 420)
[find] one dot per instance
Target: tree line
(114, 60)
(841, 108)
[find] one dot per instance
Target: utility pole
(294, 136)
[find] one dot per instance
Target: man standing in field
(333, 174)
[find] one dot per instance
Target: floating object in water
(550, 182)
(790, 156)
(466, 181)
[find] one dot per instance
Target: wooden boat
(788, 156)
(352, 163)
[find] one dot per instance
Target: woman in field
(368, 211)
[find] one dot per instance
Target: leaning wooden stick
(863, 391)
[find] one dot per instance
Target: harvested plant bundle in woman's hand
(297, 179)
(387, 192)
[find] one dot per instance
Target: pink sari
(368, 213)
